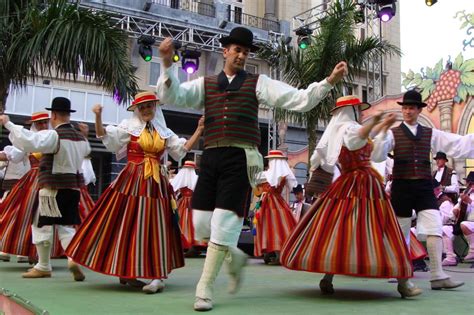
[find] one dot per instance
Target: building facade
(197, 24)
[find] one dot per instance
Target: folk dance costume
(275, 220)
(184, 183)
(20, 207)
(59, 179)
(412, 187)
(132, 231)
(462, 222)
(446, 176)
(351, 229)
(417, 250)
(298, 207)
(16, 165)
(448, 218)
(232, 135)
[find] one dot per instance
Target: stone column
(445, 115)
(270, 10)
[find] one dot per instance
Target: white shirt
(269, 92)
(454, 187)
(453, 145)
(18, 163)
(68, 160)
(116, 138)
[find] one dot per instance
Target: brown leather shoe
(406, 291)
(35, 273)
(76, 271)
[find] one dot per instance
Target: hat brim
(60, 110)
(131, 108)
(276, 157)
(363, 106)
(419, 104)
(227, 40)
(29, 122)
(440, 158)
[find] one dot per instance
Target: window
(250, 68)
(155, 70)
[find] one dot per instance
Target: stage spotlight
(145, 49)
(386, 10)
(190, 61)
(304, 37)
(430, 2)
(176, 45)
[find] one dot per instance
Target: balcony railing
(201, 8)
(238, 17)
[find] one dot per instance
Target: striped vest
(46, 177)
(412, 153)
(231, 110)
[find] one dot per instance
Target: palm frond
(58, 39)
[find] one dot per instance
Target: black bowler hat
(412, 97)
(470, 177)
(440, 155)
(61, 104)
(297, 189)
(240, 36)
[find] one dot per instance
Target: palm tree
(333, 41)
(54, 39)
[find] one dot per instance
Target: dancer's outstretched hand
(339, 71)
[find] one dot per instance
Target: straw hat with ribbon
(143, 97)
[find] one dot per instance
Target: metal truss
(159, 27)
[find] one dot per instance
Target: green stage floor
(266, 290)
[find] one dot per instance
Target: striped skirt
(185, 213)
(417, 250)
(275, 222)
(131, 232)
(18, 210)
(351, 230)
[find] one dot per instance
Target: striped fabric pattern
(231, 114)
(275, 221)
(185, 212)
(417, 250)
(130, 232)
(18, 210)
(412, 156)
(66, 132)
(352, 229)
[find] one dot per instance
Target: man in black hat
(446, 176)
(230, 160)
(60, 178)
(298, 207)
(412, 187)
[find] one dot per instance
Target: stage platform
(266, 290)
